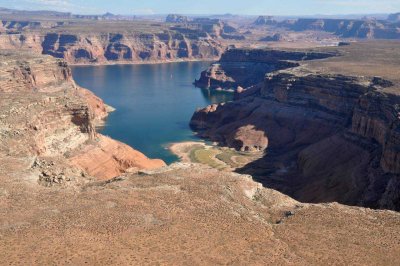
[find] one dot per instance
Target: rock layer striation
(327, 137)
(45, 116)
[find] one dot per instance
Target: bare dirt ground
(183, 214)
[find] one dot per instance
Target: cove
(154, 102)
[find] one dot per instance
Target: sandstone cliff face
(129, 47)
(242, 67)
(376, 117)
(125, 47)
(327, 137)
(44, 115)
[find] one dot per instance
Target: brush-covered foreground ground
(183, 214)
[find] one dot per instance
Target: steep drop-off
(247, 67)
(58, 204)
(112, 44)
(327, 137)
(46, 118)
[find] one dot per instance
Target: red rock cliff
(45, 115)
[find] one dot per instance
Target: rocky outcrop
(272, 38)
(112, 158)
(129, 48)
(175, 18)
(105, 39)
(246, 67)
(376, 117)
(100, 48)
(364, 29)
(44, 115)
(265, 20)
(326, 137)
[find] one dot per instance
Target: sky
(243, 7)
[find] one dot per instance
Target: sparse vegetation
(214, 156)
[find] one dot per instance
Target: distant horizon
(201, 14)
(285, 8)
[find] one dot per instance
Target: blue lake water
(154, 103)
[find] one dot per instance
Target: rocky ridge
(247, 67)
(100, 42)
(100, 48)
(46, 118)
(345, 28)
(327, 137)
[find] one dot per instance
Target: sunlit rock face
(44, 114)
(125, 46)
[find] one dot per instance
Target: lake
(154, 102)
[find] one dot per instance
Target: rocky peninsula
(329, 131)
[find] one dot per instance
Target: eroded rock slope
(114, 42)
(46, 118)
(247, 67)
(58, 204)
(326, 136)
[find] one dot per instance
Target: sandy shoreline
(181, 149)
(221, 158)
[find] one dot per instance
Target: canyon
(83, 42)
(111, 39)
(247, 67)
(71, 195)
(319, 128)
(327, 136)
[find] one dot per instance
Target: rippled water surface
(154, 103)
